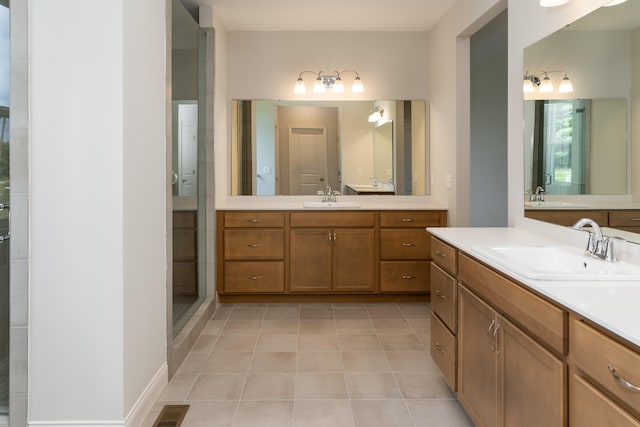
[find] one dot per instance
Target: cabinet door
(353, 260)
(311, 260)
(477, 363)
(532, 381)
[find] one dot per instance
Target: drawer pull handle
(407, 277)
(635, 219)
(621, 380)
(441, 254)
(255, 245)
(440, 348)
(408, 220)
(255, 220)
(495, 339)
(439, 294)
(491, 345)
(408, 245)
(255, 277)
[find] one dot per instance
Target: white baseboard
(137, 413)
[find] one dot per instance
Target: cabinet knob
(439, 294)
(440, 348)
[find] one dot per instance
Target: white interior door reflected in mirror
(187, 149)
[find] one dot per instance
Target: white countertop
(381, 202)
(613, 305)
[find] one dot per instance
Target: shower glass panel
(4, 210)
(189, 166)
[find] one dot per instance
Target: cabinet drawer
(540, 317)
(590, 408)
(184, 219)
(624, 218)
(404, 244)
(253, 244)
(257, 219)
(444, 296)
(332, 219)
(418, 219)
(594, 352)
(254, 277)
(567, 217)
(404, 276)
(444, 255)
(443, 350)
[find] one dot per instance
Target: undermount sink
(330, 205)
(558, 263)
(554, 205)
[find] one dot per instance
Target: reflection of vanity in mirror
(302, 147)
(579, 145)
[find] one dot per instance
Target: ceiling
(328, 15)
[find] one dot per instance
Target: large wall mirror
(354, 147)
(579, 144)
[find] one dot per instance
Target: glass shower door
(4, 209)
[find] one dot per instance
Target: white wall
(265, 147)
(265, 65)
(635, 113)
(97, 208)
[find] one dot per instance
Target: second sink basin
(558, 263)
(330, 205)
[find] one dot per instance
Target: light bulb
(565, 85)
(527, 86)
(357, 86)
(318, 86)
(338, 87)
(546, 86)
(300, 88)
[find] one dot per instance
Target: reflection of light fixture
(614, 3)
(552, 3)
(375, 114)
(326, 81)
(545, 85)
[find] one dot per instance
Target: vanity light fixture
(552, 3)
(544, 84)
(375, 114)
(326, 81)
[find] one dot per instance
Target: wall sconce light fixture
(375, 114)
(545, 85)
(326, 81)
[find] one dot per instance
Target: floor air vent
(171, 416)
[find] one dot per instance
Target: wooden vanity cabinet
(505, 376)
(253, 248)
(568, 217)
(628, 220)
(185, 255)
(332, 252)
(405, 250)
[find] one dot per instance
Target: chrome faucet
(328, 195)
(597, 245)
(538, 196)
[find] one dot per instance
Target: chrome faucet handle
(610, 254)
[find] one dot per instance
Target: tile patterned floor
(319, 365)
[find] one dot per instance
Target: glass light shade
(552, 3)
(375, 116)
(614, 3)
(527, 86)
(318, 86)
(338, 86)
(357, 86)
(546, 86)
(565, 85)
(300, 88)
